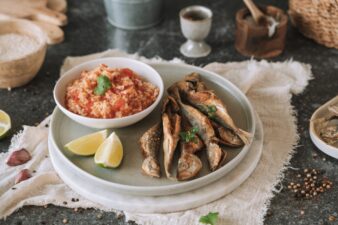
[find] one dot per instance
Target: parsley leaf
(211, 218)
(189, 135)
(103, 84)
(211, 110)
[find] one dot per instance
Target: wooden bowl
(254, 40)
(18, 72)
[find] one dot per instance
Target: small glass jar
(254, 40)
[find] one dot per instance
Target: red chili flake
(127, 72)
(118, 104)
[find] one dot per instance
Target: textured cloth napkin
(269, 87)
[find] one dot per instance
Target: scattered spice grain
(309, 184)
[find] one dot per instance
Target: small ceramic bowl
(322, 112)
(145, 71)
(19, 71)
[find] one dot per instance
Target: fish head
(188, 166)
(151, 167)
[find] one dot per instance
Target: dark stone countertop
(88, 31)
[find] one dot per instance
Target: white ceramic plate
(162, 204)
(127, 178)
(322, 145)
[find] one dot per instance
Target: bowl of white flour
(22, 52)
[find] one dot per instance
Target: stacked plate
(126, 188)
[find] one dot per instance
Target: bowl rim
(39, 37)
(191, 8)
(69, 72)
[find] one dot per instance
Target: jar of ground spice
(261, 40)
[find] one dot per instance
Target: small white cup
(195, 25)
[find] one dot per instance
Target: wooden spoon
(262, 19)
(258, 16)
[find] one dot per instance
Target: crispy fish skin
(196, 93)
(227, 137)
(189, 164)
(205, 130)
(150, 143)
(171, 123)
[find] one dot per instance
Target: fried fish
(197, 94)
(150, 143)
(205, 130)
(171, 122)
(189, 164)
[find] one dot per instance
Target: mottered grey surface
(88, 31)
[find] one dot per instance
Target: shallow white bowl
(314, 133)
(145, 71)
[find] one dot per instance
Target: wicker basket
(316, 19)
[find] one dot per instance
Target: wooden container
(253, 40)
(18, 72)
(317, 20)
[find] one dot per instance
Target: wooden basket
(316, 19)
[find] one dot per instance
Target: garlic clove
(23, 175)
(18, 157)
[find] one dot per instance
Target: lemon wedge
(88, 144)
(5, 123)
(110, 152)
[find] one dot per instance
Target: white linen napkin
(269, 87)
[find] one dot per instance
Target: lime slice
(88, 144)
(110, 152)
(5, 123)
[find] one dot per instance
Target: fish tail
(215, 155)
(188, 166)
(245, 136)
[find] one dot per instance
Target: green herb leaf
(211, 110)
(103, 84)
(189, 135)
(211, 218)
(194, 130)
